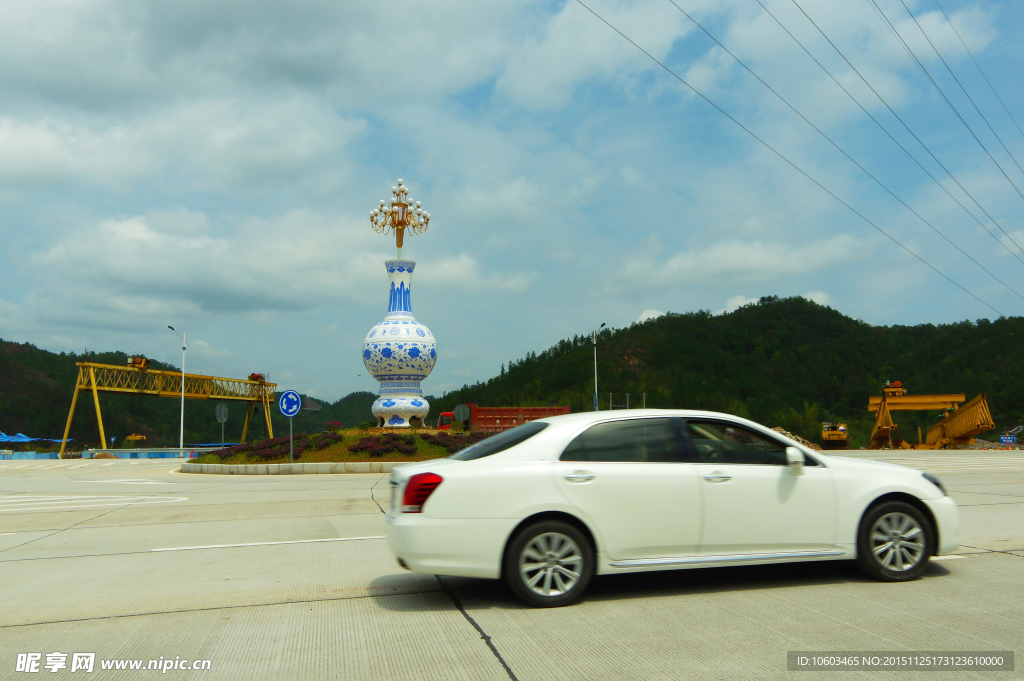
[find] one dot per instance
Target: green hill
(788, 362)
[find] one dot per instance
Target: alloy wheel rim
(897, 542)
(551, 564)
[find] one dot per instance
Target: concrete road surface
(288, 577)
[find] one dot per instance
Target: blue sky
(211, 165)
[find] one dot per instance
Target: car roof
(583, 418)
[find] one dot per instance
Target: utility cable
(944, 97)
(971, 54)
(903, 123)
(843, 152)
(790, 163)
(962, 88)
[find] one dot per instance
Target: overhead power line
(784, 158)
(982, 72)
(962, 88)
(943, 94)
(844, 153)
(905, 126)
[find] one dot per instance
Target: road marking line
(123, 502)
(947, 557)
(265, 543)
(23, 499)
(130, 482)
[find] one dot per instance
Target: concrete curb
(291, 468)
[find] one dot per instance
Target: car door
(633, 481)
(753, 501)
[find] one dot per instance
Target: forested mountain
(788, 362)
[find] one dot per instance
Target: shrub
(383, 444)
(333, 425)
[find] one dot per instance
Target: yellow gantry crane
(136, 377)
(958, 426)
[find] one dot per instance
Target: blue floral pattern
(397, 411)
(400, 352)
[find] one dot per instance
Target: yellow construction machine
(958, 427)
(834, 436)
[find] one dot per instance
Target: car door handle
(717, 477)
(579, 477)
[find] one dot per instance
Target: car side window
(657, 440)
(728, 443)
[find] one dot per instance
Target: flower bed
(382, 444)
(275, 448)
(351, 445)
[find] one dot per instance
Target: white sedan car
(550, 503)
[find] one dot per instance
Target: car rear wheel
(549, 564)
(894, 542)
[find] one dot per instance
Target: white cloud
(211, 165)
(574, 46)
(735, 303)
(734, 262)
(649, 314)
(820, 297)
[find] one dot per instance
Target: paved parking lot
(287, 577)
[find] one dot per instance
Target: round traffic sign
(222, 412)
(289, 403)
(461, 413)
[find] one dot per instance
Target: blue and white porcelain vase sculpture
(399, 352)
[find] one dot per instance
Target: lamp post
(401, 213)
(181, 432)
(595, 365)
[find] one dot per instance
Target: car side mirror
(795, 460)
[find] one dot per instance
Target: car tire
(894, 542)
(549, 564)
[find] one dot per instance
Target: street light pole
(595, 365)
(181, 431)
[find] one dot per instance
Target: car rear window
(500, 442)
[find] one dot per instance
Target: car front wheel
(549, 564)
(894, 542)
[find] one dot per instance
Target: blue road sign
(289, 403)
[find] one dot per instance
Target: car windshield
(500, 442)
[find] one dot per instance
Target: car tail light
(419, 487)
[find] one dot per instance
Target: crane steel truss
(139, 379)
(958, 427)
